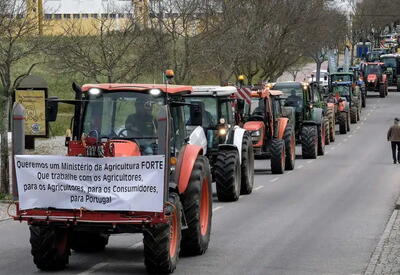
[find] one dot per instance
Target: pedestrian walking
(393, 136)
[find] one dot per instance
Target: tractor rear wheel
(321, 139)
(342, 120)
(309, 142)
(332, 125)
(88, 241)
(162, 242)
(278, 156)
(228, 175)
(50, 247)
(327, 131)
(290, 148)
(398, 83)
(353, 115)
(197, 206)
(247, 166)
(358, 113)
(348, 122)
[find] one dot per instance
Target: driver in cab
(294, 100)
(141, 125)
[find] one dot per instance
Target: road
(325, 217)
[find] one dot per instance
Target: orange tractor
(135, 121)
(375, 78)
(272, 134)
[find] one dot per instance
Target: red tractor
(272, 134)
(104, 127)
(374, 77)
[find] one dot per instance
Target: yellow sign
(35, 111)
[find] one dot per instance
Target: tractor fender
(282, 122)
(198, 137)
(184, 167)
(238, 140)
(317, 115)
(234, 145)
(309, 123)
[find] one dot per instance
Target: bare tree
(19, 40)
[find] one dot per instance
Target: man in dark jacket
(393, 136)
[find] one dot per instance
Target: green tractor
(311, 124)
(392, 64)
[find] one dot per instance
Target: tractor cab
(342, 90)
(392, 65)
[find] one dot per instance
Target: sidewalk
(386, 257)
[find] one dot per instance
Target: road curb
(379, 248)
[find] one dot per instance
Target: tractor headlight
(256, 133)
(222, 131)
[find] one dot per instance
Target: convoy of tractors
(205, 135)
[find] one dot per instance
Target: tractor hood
(253, 125)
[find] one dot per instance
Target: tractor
(310, 122)
(392, 65)
(359, 81)
(131, 121)
(375, 78)
(229, 147)
(272, 134)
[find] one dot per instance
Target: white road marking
(350, 136)
(339, 143)
(93, 268)
(274, 180)
(136, 245)
(368, 114)
(310, 161)
(258, 187)
(355, 131)
(358, 127)
(333, 148)
(365, 118)
(362, 123)
(289, 172)
(217, 208)
(300, 166)
(345, 140)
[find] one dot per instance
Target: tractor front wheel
(228, 175)
(327, 132)
(278, 156)
(247, 166)
(309, 142)
(321, 139)
(162, 241)
(290, 148)
(50, 247)
(342, 120)
(363, 101)
(382, 92)
(353, 115)
(197, 206)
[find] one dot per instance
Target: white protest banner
(115, 184)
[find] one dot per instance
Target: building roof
(171, 89)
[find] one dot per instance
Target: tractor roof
(276, 92)
(374, 63)
(222, 91)
(390, 55)
(289, 84)
(170, 89)
(342, 73)
(266, 93)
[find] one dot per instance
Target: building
(54, 16)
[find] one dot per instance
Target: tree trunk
(4, 165)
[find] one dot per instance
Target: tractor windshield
(292, 95)
(373, 69)
(257, 106)
(210, 107)
(390, 62)
(341, 77)
(341, 90)
(123, 115)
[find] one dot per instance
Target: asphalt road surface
(325, 217)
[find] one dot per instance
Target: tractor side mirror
(196, 114)
(52, 108)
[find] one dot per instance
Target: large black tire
(358, 114)
(290, 148)
(398, 83)
(321, 139)
(348, 122)
(197, 206)
(247, 166)
(327, 131)
(162, 242)
(278, 156)
(309, 142)
(228, 175)
(50, 247)
(332, 125)
(88, 241)
(363, 101)
(342, 121)
(353, 115)
(382, 92)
